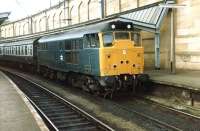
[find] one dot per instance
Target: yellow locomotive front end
(121, 61)
(120, 55)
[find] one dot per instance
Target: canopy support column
(173, 50)
(157, 51)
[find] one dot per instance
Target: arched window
(54, 20)
(40, 25)
(70, 15)
(5, 30)
(47, 23)
(79, 12)
(88, 9)
(60, 18)
(19, 28)
(24, 28)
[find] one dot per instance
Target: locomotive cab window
(121, 35)
(108, 39)
(136, 38)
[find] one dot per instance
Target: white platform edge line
(36, 116)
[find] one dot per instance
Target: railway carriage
(18, 52)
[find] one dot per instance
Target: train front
(121, 60)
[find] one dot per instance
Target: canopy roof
(148, 17)
(4, 16)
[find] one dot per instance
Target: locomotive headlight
(61, 57)
(128, 26)
(113, 26)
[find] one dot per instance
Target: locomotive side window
(81, 43)
(94, 40)
(75, 56)
(107, 39)
(86, 41)
(68, 57)
(91, 41)
(68, 45)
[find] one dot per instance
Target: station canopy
(4, 16)
(148, 17)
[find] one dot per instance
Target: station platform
(187, 79)
(15, 114)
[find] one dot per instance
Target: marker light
(128, 26)
(113, 26)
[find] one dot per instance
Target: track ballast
(59, 114)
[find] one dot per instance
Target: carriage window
(22, 47)
(18, 50)
(26, 50)
(14, 50)
(107, 39)
(31, 50)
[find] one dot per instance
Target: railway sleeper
(72, 116)
(70, 120)
(70, 126)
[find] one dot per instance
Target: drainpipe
(173, 47)
(102, 8)
(157, 51)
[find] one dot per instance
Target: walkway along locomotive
(101, 58)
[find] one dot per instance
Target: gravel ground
(105, 110)
(163, 114)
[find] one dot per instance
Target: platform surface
(14, 114)
(182, 78)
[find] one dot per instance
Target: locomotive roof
(80, 32)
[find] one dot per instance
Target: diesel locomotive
(101, 58)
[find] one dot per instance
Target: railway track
(163, 116)
(58, 113)
(160, 116)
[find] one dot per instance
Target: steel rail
(169, 108)
(161, 123)
(99, 124)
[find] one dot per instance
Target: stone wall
(188, 35)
